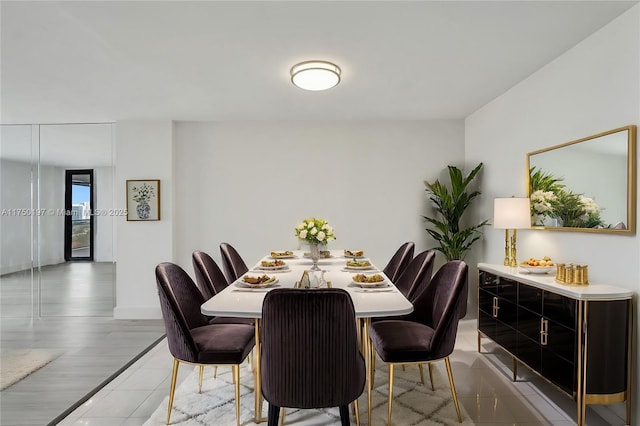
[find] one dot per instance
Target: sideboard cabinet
(576, 337)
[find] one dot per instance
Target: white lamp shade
(511, 213)
(315, 75)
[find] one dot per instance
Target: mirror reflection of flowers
(142, 194)
(315, 231)
(541, 205)
(552, 199)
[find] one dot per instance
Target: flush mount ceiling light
(315, 75)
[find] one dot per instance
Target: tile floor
(483, 382)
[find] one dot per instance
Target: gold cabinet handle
(495, 307)
(544, 331)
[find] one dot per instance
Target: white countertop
(592, 291)
(237, 302)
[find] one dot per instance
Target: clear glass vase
(314, 254)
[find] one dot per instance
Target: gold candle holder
(572, 274)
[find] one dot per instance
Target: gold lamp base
(510, 257)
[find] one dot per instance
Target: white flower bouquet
(315, 231)
(541, 205)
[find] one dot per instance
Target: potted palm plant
(450, 203)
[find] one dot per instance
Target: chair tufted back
(310, 355)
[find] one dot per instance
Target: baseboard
(137, 312)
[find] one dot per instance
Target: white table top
(247, 303)
(592, 291)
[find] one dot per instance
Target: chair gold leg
(355, 406)
(172, 390)
(453, 388)
(236, 379)
(390, 394)
(433, 388)
(201, 373)
(282, 414)
(421, 373)
(215, 372)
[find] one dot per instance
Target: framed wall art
(143, 200)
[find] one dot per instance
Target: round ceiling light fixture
(315, 75)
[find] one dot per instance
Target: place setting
(282, 254)
(256, 283)
(272, 266)
(353, 254)
(359, 264)
(367, 283)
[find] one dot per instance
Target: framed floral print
(143, 199)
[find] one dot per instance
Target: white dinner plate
(371, 285)
(358, 268)
(275, 255)
(272, 268)
(268, 284)
(351, 256)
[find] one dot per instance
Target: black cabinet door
(561, 341)
(560, 309)
(487, 325)
(529, 351)
(558, 370)
(530, 298)
(488, 282)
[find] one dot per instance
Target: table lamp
(511, 213)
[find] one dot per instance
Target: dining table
(240, 299)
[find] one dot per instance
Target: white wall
(249, 184)
(143, 151)
(592, 88)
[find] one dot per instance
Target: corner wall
(144, 150)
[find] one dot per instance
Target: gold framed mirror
(586, 185)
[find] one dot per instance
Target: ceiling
(86, 61)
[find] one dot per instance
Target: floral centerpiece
(315, 231)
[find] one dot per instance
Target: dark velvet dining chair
(413, 276)
(209, 277)
(429, 332)
(232, 263)
(211, 281)
(399, 261)
(310, 351)
(191, 339)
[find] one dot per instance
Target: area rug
(16, 365)
(414, 403)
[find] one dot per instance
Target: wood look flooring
(76, 321)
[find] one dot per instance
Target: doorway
(79, 214)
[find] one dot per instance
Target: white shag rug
(16, 365)
(414, 404)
